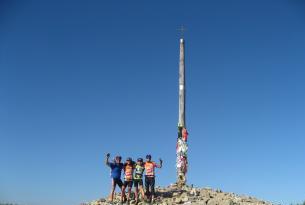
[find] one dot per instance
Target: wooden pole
(182, 147)
(181, 85)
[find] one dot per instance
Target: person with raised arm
(116, 170)
(150, 176)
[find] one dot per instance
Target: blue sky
(79, 79)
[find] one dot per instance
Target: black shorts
(117, 182)
(138, 182)
(127, 183)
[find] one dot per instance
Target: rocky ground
(173, 195)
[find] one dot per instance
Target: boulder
(226, 202)
(213, 202)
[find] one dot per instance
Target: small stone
(184, 199)
(175, 194)
(178, 200)
(132, 202)
(184, 195)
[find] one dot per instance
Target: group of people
(133, 175)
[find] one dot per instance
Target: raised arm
(107, 159)
(159, 165)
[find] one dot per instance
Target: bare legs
(113, 189)
(122, 193)
(128, 194)
(141, 192)
(136, 193)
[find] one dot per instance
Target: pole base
(181, 180)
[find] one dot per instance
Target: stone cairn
(174, 194)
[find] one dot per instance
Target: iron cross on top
(182, 30)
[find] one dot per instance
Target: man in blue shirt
(116, 170)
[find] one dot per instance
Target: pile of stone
(186, 195)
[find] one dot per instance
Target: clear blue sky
(79, 79)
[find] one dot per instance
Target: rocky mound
(173, 195)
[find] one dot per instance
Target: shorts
(138, 182)
(128, 183)
(117, 182)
